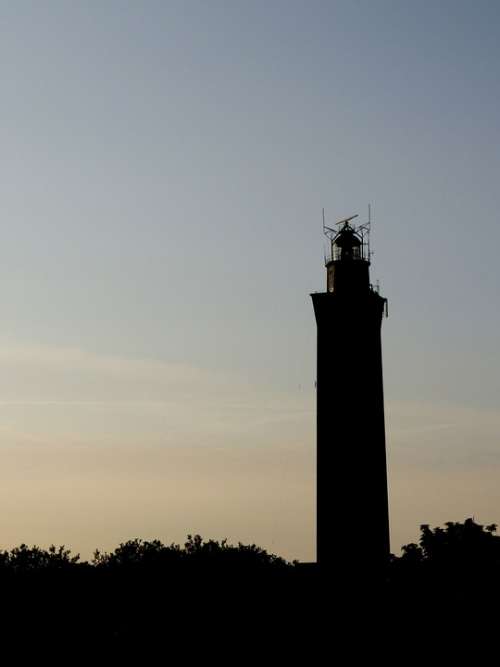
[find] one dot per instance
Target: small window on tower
(329, 280)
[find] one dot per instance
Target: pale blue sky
(163, 169)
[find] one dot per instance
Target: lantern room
(348, 262)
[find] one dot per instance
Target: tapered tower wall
(352, 503)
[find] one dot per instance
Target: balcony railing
(337, 254)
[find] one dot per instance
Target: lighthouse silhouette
(352, 503)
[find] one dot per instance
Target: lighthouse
(352, 502)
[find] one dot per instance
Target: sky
(163, 169)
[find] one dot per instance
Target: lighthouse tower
(352, 504)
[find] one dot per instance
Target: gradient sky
(163, 169)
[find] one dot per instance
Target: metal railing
(337, 254)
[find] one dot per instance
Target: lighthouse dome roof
(347, 238)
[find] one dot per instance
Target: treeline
(469, 549)
(143, 555)
(147, 591)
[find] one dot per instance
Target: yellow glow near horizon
(129, 448)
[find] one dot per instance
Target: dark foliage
(145, 592)
(445, 585)
(23, 559)
(463, 556)
(195, 553)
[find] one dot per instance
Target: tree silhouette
(196, 553)
(458, 545)
(35, 559)
(146, 588)
(451, 569)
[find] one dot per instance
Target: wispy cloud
(96, 448)
(149, 448)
